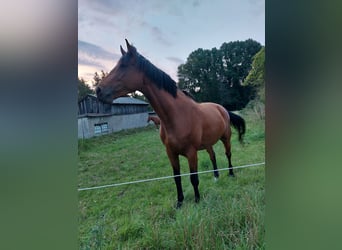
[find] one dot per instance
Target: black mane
(188, 94)
(157, 76)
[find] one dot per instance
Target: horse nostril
(98, 91)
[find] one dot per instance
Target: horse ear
(130, 48)
(122, 51)
(127, 44)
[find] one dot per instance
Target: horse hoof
(179, 204)
(197, 199)
(215, 179)
(231, 175)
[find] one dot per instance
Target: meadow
(230, 214)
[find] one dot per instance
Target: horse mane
(157, 76)
(188, 94)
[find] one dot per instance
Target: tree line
(217, 75)
(232, 75)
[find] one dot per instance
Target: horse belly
(210, 136)
(207, 144)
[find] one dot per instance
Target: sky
(164, 32)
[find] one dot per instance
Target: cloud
(160, 36)
(156, 33)
(258, 7)
(100, 14)
(122, 17)
(93, 58)
(175, 59)
(105, 6)
(95, 51)
(196, 3)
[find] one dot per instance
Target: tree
(256, 76)
(216, 75)
(83, 89)
(97, 78)
(237, 59)
(256, 80)
(196, 76)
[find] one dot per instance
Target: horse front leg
(174, 160)
(192, 160)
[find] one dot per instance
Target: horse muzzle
(104, 96)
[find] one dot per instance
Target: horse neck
(161, 101)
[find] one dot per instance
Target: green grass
(230, 214)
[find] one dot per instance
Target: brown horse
(187, 126)
(155, 120)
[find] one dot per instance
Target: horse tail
(239, 124)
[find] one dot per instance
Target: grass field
(230, 214)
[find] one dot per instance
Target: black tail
(239, 124)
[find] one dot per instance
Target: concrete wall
(86, 125)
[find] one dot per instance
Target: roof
(122, 100)
(129, 100)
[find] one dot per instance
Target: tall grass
(230, 214)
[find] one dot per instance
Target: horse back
(214, 115)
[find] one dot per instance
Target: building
(97, 118)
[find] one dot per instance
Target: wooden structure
(97, 118)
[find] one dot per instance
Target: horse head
(124, 78)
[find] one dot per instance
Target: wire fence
(166, 177)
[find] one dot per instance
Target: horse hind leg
(212, 156)
(227, 145)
